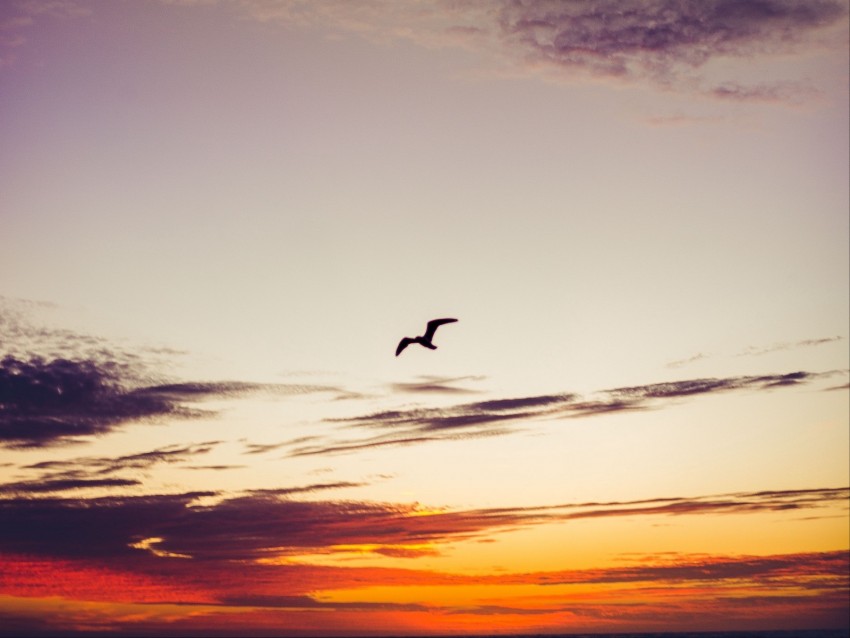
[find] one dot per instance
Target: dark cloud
(44, 402)
(171, 550)
(288, 491)
(58, 401)
(664, 41)
(267, 523)
(101, 527)
(61, 485)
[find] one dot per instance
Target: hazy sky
(218, 218)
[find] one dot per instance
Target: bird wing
(402, 345)
(433, 325)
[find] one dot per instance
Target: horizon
(221, 219)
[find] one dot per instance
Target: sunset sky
(218, 219)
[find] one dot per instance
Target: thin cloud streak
(755, 351)
(96, 472)
(495, 417)
(761, 350)
(62, 485)
(436, 385)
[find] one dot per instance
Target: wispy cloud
(65, 484)
(59, 401)
(665, 42)
(681, 569)
(26, 334)
(100, 472)
(786, 345)
(139, 460)
(436, 385)
(658, 43)
(342, 447)
(500, 416)
(760, 350)
(683, 362)
(302, 489)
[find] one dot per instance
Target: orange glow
(703, 592)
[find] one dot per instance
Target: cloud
(58, 401)
(139, 460)
(846, 386)
(25, 334)
(436, 385)
(61, 485)
(45, 402)
(692, 387)
(658, 39)
(786, 345)
(94, 472)
(288, 491)
(465, 415)
(266, 524)
(760, 350)
(354, 446)
(260, 448)
(832, 565)
(682, 362)
(499, 416)
(664, 44)
(661, 43)
(254, 553)
(285, 585)
(771, 501)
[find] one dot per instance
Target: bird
(423, 340)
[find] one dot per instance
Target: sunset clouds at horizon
(219, 217)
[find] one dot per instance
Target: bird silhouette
(423, 340)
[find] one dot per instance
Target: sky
(218, 219)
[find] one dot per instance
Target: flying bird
(423, 340)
